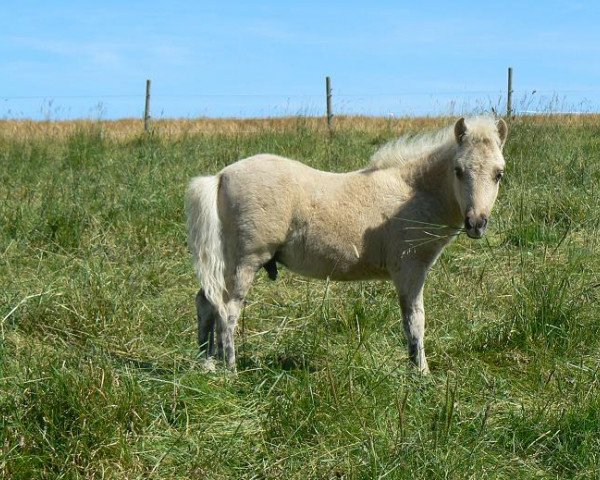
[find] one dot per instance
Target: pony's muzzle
(475, 226)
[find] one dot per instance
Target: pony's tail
(205, 238)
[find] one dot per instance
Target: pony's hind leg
(206, 314)
(238, 285)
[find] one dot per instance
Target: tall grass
(98, 370)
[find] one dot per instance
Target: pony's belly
(313, 265)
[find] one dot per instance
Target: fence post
(329, 110)
(509, 109)
(147, 108)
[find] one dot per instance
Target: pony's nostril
(479, 223)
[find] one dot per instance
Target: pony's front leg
(413, 316)
(409, 284)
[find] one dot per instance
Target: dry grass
(172, 128)
(127, 129)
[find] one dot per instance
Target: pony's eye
(459, 172)
(499, 176)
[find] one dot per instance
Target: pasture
(99, 375)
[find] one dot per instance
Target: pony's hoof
(422, 369)
(208, 365)
(231, 368)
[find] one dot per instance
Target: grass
(98, 369)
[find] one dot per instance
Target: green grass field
(98, 370)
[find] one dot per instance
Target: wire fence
(247, 105)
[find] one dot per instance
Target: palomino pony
(390, 220)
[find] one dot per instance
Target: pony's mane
(411, 147)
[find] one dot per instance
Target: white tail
(204, 237)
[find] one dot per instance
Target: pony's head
(478, 168)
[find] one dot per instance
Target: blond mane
(411, 147)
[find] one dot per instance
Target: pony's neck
(433, 175)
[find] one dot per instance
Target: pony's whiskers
(421, 224)
(432, 238)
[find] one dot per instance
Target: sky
(62, 60)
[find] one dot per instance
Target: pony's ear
(502, 131)
(460, 129)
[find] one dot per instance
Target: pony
(390, 220)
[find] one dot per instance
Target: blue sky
(267, 58)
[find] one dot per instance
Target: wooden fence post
(329, 109)
(147, 108)
(509, 109)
